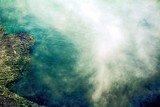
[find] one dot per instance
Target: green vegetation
(14, 59)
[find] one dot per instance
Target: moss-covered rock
(14, 60)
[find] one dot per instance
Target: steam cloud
(117, 43)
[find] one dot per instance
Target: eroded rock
(14, 59)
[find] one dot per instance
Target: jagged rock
(14, 59)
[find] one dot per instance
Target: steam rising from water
(117, 43)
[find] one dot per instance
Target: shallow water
(88, 53)
(52, 80)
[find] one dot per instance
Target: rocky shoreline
(15, 58)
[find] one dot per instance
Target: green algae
(14, 59)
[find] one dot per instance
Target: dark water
(52, 79)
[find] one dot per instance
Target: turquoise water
(52, 80)
(74, 63)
